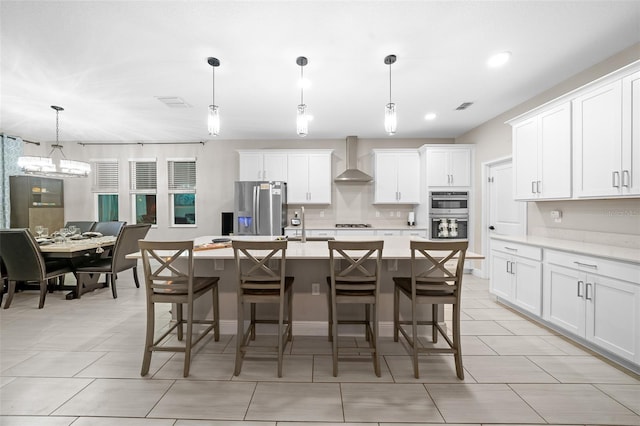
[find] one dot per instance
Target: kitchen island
(308, 263)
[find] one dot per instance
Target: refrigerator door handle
(256, 210)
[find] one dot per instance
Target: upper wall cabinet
(397, 176)
(607, 139)
(263, 165)
(542, 155)
(309, 174)
(448, 166)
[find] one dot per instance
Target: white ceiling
(106, 62)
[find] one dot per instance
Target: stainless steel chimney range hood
(352, 174)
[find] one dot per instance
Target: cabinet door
(554, 152)
(319, 172)
(437, 168)
(251, 166)
(525, 159)
(408, 172)
(613, 315)
(528, 285)
(460, 163)
(563, 305)
(386, 178)
(597, 132)
(500, 283)
(275, 166)
(631, 134)
(298, 183)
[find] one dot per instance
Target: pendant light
(44, 166)
(302, 119)
(390, 119)
(213, 121)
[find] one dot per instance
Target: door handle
(586, 292)
(492, 227)
(538, 185)
(580, 284)
(512, 264)
(533, 187)
(627, 180)
(615, 182)
(508, 271)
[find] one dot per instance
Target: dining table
(78, 252)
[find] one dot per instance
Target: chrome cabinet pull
(538, 185)
(533, 187)
(615, 177)
(586, 293)
(586, 265)
(510, 248)
(512, 264)
(580, 284)
(627, 180)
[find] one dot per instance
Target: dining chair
(168, 280)
(436, 278)
(355, 279)
(261, 278)
(24, 262)
(82, 225)
(109, 228)
(126, 243)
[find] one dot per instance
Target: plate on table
(44, 241)
(78, 237)
(91, 234)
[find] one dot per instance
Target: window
(143, 185)
(182, 191)
(105, 188)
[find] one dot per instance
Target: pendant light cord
(301, 84)
(213, 85)
(57, 144)
(389, 83)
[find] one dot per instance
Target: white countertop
(372, 227)
(600, 250)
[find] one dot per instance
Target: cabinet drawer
(517, 249)
(595, 265)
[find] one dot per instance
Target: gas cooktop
(353, 225)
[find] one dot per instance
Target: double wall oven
(449, 214)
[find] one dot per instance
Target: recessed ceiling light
(430, 116)
(499, 59)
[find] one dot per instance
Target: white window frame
(173, 191)
(107, 186)
(135, 191)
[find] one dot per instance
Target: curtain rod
(23, 140)
(139, 143)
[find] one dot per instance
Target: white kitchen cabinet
(309, 177)
(355, 232)
(516, 275)
(448, 167)
(263, 165)
(542, 154)
(388, 232)
(595, 299)
(631, 135)
(397, 176)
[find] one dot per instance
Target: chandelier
(44, 166)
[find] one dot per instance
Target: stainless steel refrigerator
(260, 208)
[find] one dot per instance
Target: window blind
(143, 176)
(105, 174)
(182, 175)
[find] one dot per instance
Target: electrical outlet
(218, 264)
(315, 289)
(377, 214)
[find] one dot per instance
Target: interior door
(506, 216)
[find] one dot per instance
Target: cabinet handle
(586, 265)
(508, 271)
(626, 182)
(538, 186)
(615, 178)
(580, 284)
(399, 195)
(586, 292)
(512, 264)
(510, 248)
(533, 187)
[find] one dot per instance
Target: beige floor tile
(388, 402)
(627, 395)
(481, 403)
(525, 327)
(295, 368)
(326, 424)
(54, 364)
(582, 369)
(10, 358)
(356, 369)
(123, 365)
(472, 345)
(283, 402)
(521, 345)
(38, 396)
(491, 314)
(116, 397)
(221, 423)
(36, 420)
(483, 328)
(575, 403)
(121, 421)
(429, 424)
(432, 369)
(215, 400)
(204, 366)
(505, 369)
(566, 346)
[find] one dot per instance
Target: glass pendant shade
(79, 168)
(302, 121)
(213, 121)
(390, 119)
(30, 163)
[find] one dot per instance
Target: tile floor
(78, 363)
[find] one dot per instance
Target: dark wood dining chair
(355, 279)
(167, 280)
(126, 243)
(261, 278)
(82, 225)
(436, 278)
(24, 262)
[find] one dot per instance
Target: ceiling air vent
(464, 106)
(173, 101)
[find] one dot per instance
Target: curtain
(9, 152)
